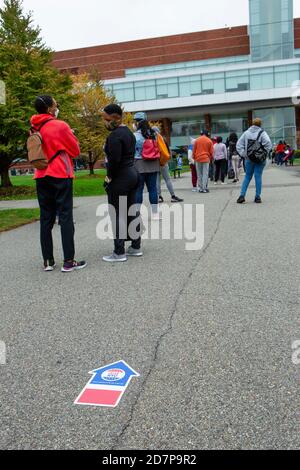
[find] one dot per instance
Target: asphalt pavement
(210, 332)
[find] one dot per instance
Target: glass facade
(280, 123)
(260, 78)
(222, 125)
(186, 65)
(271, 30)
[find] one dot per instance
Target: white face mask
(56, 113)
(134, 127)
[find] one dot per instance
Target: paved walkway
(210, 332)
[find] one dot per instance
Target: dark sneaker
(49, 265)
(161, 199)
(241, 200)
(70, 266)
(115, 258)
(258, 200)
(134, 252)
(176, 199)
(206, 191)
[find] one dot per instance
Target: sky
(70, 24)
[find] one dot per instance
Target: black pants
(55, 196)
(220, 167)
(122, 196)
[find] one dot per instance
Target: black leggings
(220, 167)
(124, 184)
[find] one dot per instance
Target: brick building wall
(112, 60)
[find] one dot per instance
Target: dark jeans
(220, 167)
(55, 196)
(124, 184)
(151, 182)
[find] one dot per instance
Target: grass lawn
(84, 185)
(13, 218)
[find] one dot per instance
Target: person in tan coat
(203, 154)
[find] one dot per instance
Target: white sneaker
(156, 216)
(194, 190)
(215, 183)
(223, 183)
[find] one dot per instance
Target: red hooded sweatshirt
(57, 136)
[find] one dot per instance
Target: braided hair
(146, 130)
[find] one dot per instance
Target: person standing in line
(165, 173)
(233, 156)
(203, 154)
(280, 152)
(220, 159)
(121, 182)
(148, 169)
(192, 167)
(254, 133)
(54, 184)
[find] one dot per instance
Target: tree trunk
(91, 164)
(5, 179)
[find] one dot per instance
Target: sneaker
(70, 266)
(176, 199)
(206, 191)
(223, 183)
(241, 200)
(134, 252)
(156, 216)
(200, 191)
(161, 199)
(114, 258)
(258, 200)
(215, 183)
(49, 265)
(194, 190)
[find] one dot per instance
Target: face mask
(134, 127)
(111, 125)
(56, 113)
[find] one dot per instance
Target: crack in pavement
(170, 322)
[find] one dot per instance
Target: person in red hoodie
(55, 184)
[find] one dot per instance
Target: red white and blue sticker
(107, 385)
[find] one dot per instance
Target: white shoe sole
(77, 268)
(49, 268)
(138, 255)
(123, 260)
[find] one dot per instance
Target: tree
(91, 98)
(26, 70)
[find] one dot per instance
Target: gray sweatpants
(164, 172)
(202, 172)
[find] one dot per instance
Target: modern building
(219, 79)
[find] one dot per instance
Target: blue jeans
(151, 182)
(255, 169)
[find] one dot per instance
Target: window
(124, 92)
(167, 88)
(237, 81)
(285, 75)
(262, 79)
(213, 83)
(145, 90)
